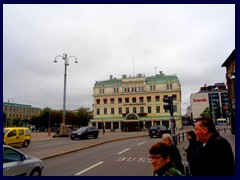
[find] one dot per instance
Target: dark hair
(206, 122)
(192, 134)
(160, 148)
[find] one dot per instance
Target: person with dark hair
(161, 161)
(215, 156)
(176, 157)
(193, 148)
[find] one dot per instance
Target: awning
(157, 97)
(140, 97)
(148, 97)
(119, 99)
(133, 97)
(112, 99)
(105, 99)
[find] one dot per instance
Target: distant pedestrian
(176, 157)
(103, 129)
(215, 157)
(193, 147)
(161, 161)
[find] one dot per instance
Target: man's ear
(168, 158)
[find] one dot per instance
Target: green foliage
(53, 118)
(206, 113)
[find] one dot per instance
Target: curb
(89, 146)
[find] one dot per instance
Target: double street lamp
(63, 129)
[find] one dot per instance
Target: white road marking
(142, 143)
(93, 166)
(123, 151)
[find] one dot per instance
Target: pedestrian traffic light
(168, 106)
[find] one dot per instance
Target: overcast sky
(191, 41)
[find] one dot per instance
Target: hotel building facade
(135, 103)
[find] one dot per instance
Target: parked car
(158, 131)
(15, 136)
(85, 132)
(17, 163)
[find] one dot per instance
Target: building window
(174, 97)
(140, 99)
(112, 100)
(115, 90)
(148, 98)
(119, 110)
(127, 110)
(152, 88)
(134, 110)
(134, 99)
(157, 109)
(98, 111)
(169, 86)
(98, 101)
(157, 98)
(101, 91)
(112, 110)
(174, 108)
(105, 100)
(141, 109)
(127, 100)
(119, 100)
(149, 109)
(105, 111)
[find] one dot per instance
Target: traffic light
(169, 106)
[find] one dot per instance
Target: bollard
(183, 136)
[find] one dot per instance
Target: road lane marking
(142, 143)
(93, 166)
(123, 151)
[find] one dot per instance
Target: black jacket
(214, 159)
(176, 158)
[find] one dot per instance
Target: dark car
(84, 132)
(158, 131)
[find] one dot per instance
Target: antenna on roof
(133, 67)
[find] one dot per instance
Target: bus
(221, 121)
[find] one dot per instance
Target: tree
(206, 113)
(83, 116)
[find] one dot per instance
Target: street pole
(8, 112)
(63, 129)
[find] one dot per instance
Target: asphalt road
(119, 158)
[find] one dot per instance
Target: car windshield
(82, 129)
(163, 128)
(153, 128)
(5, 131)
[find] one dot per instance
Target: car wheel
(72, 138)
(26, 143)
(36, 172)
(95, 136)
(151, 136)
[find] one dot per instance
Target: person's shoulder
(173, 171)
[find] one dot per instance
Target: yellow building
(14, 110)
(135, 103)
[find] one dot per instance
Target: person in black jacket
(215, 157)
(193, 147)
(174, 152)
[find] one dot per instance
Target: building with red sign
(213, 96)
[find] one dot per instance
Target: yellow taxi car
(15, 136)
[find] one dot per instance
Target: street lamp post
(63, 129)
(8, 112)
